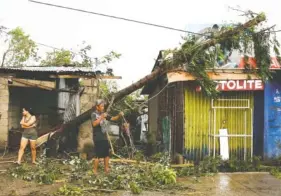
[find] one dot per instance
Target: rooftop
(55, 71)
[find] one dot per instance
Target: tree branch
(158, 71)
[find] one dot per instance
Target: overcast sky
(138, 44)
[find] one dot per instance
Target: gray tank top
(31, 130)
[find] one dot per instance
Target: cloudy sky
(138, 44)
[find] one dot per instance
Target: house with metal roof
(244, 121)
(56, 94)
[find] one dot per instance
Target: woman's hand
(104, 115)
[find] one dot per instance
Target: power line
(141, 104)
(115, 17)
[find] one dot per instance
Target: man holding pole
(100, 126)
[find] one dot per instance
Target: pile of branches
(76, 171)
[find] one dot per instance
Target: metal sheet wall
(171, 106)
(199, 120)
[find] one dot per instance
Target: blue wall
(272, 119)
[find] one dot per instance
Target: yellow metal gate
(200, 125)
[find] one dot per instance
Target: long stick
(125, 143)
(112, 149)
(130, 137)
(7, 162)
(148, 163)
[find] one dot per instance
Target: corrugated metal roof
(50, 69)
(54, 70)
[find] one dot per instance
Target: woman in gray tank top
(28, 123)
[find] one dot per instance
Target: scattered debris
(276, 172)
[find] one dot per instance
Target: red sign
(238, 85)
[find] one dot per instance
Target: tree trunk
(161, 70)
(119, 95)
(3, 59)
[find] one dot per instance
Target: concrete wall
(14, 109)
(87, 100)
(4, 104)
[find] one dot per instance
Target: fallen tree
(197, 55)
(230, 37)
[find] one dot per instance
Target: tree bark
(3, 59)
(161, 70)
(119, 95)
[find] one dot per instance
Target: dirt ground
(223, 184)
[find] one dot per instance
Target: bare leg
(96, 165)
(106, 164)
(23, 144)
(33, 150)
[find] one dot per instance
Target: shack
(56, 94)
(238, 124)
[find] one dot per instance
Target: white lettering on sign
(238, 85)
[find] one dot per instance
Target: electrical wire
(131, 20)
(146, 101)
(114, 17)
(155, 95)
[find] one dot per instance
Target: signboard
(238, 85)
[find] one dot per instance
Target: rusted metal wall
(199, 120)
(179, 115)
(153, 111)
(171, 105)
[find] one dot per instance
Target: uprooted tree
(196, 56)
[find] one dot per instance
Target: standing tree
(20, 48)
(58, 58)
(79, 59)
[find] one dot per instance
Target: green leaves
(82, 58)
(197, 55)
(127, 104)
(68, 190)
(20, 49)
(276, 172)
(58, 58)
(135, 188)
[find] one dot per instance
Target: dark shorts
(30, 134)
(102, 149)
